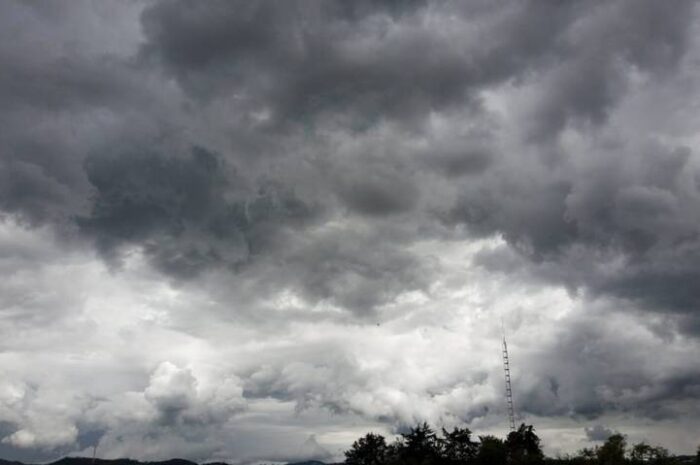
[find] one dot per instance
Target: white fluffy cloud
(158, 369)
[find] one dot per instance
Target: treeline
(616, 452)
(424, 446)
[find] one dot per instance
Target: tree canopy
(422, 445)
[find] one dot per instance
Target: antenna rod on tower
(509, 389)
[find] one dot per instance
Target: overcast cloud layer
(253, 231)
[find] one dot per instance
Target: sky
(255, 231)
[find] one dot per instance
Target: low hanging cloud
(598, 433)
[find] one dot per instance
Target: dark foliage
(420, 446)
(423, 446)
(523, 446)
(457, 446)
(368, 450)
(492, 451)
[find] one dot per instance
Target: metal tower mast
(509, 389)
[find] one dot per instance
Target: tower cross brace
(509, 388)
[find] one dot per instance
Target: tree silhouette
(523, 446)
(368, 450)
(641, 453)
(457, 446)
(420, 446)
(586, 455)
(613, 451)
(659, 455)
(492, 451)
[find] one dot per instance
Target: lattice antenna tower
(509, 388)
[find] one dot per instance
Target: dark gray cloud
(636, 209)
(357, 64)
(184, 211)
(603, 364)
(327, 59)
(602, 48)
(62, 88)
(305, 59)
(337, 268)
(70, 84)
(376, 188)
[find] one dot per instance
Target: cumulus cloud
(598, 433)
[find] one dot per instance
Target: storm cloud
(253, 230)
